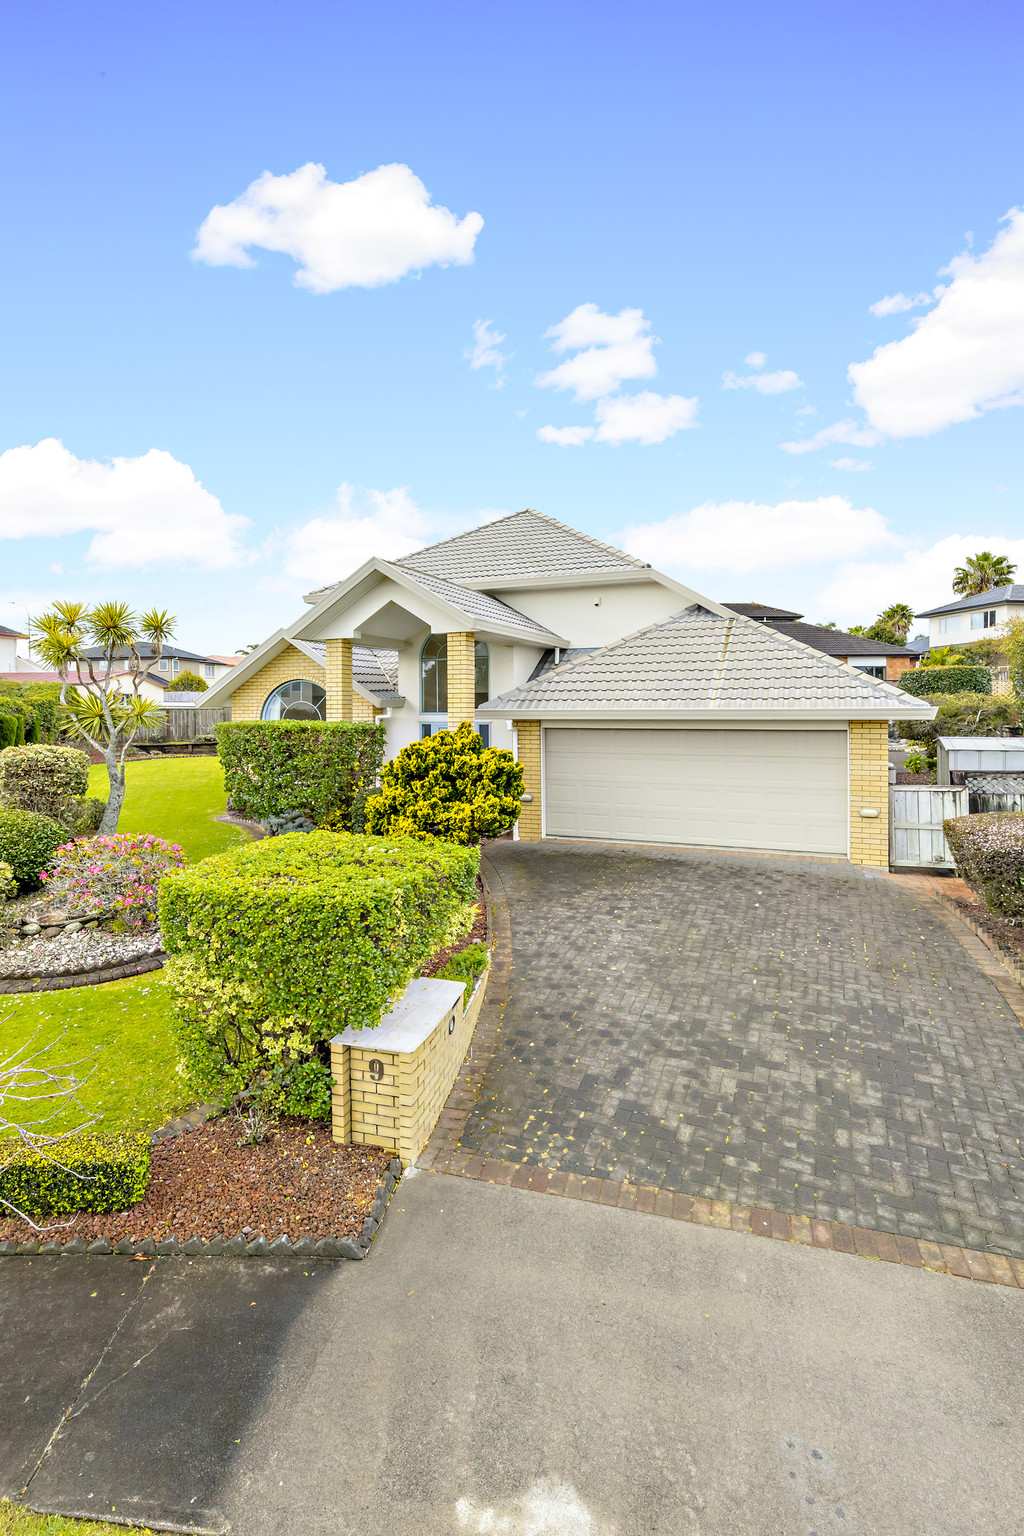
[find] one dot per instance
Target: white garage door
(784, 790)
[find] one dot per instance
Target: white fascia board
(635, 576)
(225, 686)
(509, 710)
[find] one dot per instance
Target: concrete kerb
(443, 1153)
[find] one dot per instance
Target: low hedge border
(238, 1247)
(82, 978)
(111, 1170)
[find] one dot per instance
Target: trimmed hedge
(988, 850)
(278, 945)
(45, 779)
(314, 767)
(43, 699)
(449, 786)
(27, 843)
(925, 681)
(84, 1173)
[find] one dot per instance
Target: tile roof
(834, 642)
(762, 611)
(11, 634)
(477, 604)
(522, 544)
(376, 671)
(697, 661)
(1013, 594)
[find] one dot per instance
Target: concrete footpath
(509, 1365)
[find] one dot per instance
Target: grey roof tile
(698, 661)
(522, 544)
(376, 671)
(1011, 594)
(478, 605)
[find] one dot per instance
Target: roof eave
(552, 715)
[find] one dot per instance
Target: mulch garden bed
(476, 935)
(297, 1183)
(1008, 937)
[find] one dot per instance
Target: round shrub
(450, 786)
(28, 842)
(47, 780)
(90, 814)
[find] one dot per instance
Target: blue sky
(747, 179)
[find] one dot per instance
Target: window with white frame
(983, 618)
(949, 623)
(209, 669)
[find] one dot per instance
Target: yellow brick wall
(398, 1104)
(339, 680)
(248, 700)
(869, 790)
(461, 679)
(530, 819)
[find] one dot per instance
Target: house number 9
(376, 1069)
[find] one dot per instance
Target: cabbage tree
(98, 654)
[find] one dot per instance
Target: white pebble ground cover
(68, 954)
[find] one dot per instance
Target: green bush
(90, 814)
(449, 786)
(315, 767)
(988, 850)
(187, 682)
(278, 945)
(963, 714)
(466, 966)
(43, 699)
(8, 884)
(8, 730)
(923, 682)
(45, 779)
(27, 843)
(84, 1173)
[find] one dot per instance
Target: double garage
(776, 790)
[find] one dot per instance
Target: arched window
(434, 676)
(297, 700)
(482, 669)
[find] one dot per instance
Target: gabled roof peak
(520, 544)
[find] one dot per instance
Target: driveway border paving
(444, 1154)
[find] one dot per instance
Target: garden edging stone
(237, 1247)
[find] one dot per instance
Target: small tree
(187, 682)
(450, 786)
(101, 694)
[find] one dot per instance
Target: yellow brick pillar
(869, 791)
(530, 819)
(339, 680)
(341, 1093)
(461, 679)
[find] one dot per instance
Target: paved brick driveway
(796, 1035)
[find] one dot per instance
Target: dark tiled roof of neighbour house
(1010, 594)
(522, 544)
(698, 661)
(763, 612)
(11, 634)
(834, 642)
(145, 651)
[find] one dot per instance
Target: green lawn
(135, 1085)
(124, 1029)
(176, 798)
(17, 1521)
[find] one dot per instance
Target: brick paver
(797, 1037)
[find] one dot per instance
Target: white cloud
(367, 522)
(139, 511)
(743, 536)
(920, 577)
(807, 410)
(486, 353)
(851, 464)
(965, 357)
(565, 437)
(609, 349)
(848, 431)
(896, 303)
(765, 383)
(645, 418)
(353, 234)
(755, 359)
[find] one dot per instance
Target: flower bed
(297, 1183)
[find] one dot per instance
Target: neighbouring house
(640, 710)
(875, 657)
(170, 665)
(983, 616)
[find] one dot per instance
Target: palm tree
(981, 573)
(898, 617)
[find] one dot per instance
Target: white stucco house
(983, 616)
(640, 710)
